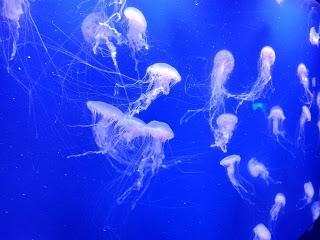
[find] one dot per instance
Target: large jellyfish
(12, 10)
(302, 73)
(276, 117)
(160, 77)
(134, 149)
(223, 130)
(279, 203)
(261, 232)
(266, 61)
(314, 37)
(315, 210)
(258, 169)
(308, 195)
(245, 190)
(305, 116)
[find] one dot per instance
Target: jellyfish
(276, 117)
(261, 232)
(266, 61)
(279, 203)
(230, 163)
(315, 210)
(304, 117)
(160, 77)
(314, 37)
(223, 131)
(308, 195)
(12, 10)
(258, 169)
(135, 149)
(302, 73)
(279, 1)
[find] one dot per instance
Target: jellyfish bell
(258, 169)
(261, 232)
(302, 73)
(160, 77)
(13, 9)
(276, 116)
(314, 37)
(223, 131)
(267, 56)
(308, 195)
(223, 64)
(279, 203)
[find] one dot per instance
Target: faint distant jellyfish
(276, 117)
(279, 203)
(308, 195)
(315, 210)
(261, 232)
(230, 163)
(279, 1)
(258, 169)
(160, 77)
(223, 131)
(302, 73)
(314, 37)
(304, 117)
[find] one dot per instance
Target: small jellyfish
(279, 203)
(305, 116)
(315, 210)
(279, 1)
(302, 73)
(266, 61)
(230, 163)
(223, 131)
(276, 117)
(258, 169)
(308, 195)
(160, 77)
(261, 232)
(314, 37)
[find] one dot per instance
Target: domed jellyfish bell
(302, 73)
(308, 195)
(314, 37)
(261, 232)
(258, 169)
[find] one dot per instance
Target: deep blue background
(44, 195)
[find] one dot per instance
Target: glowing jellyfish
(266, 61)
(12, 10)
(315, 210)
(302, 73)
(160, 77)
(134, 149)
(279, 1)
(276, 117)
(258, 169)
(261, 232)
(230, 163)
(279, 203)
(305, 116)
(223, 131)
(308, 195)
(314, 37)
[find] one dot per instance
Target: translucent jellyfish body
(315, 210)
(305, 116)
(314, 36)
(258, 169)
(160, 77)
(230, 163)
(266, 61)
(261, 232)
(302, 73)
(276, 117)
(279, 203)
(223, 130)
(134, 149)
(308, 195)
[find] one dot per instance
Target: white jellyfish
(276, 117)
(261, 232)
(302, 73)
(223, 130)
(266, 61)
(308, 195)
(258, 169)
(279, 203)
(160, 77)
(134, 149)
(230, 163)
(315, 210)
(305, 116)
(279, 1)
(314, 36)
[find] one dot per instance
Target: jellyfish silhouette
(261, 232)
(223, 130)
(258, 169)
(302, 73)
(314, 37)
(308, 195)
(245, 190)
(134, 149)
(160, 77)
(305, 116)
(279, 203)
(315, 210)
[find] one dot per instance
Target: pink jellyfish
(230, 163)
(305, 116)
(302, 73)
(223, 131)
(276, 117)
(258, 169)
(261, 232)
(279, 203)
(160, 77)
(314, 37)
(308, 195)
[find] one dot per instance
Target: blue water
(45, 195)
